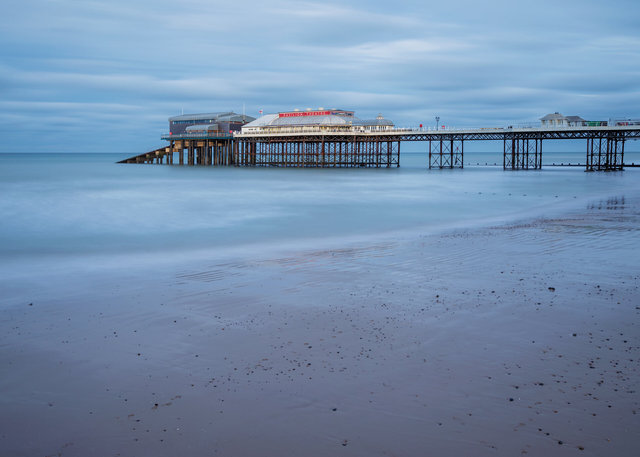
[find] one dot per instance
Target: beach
(316, 312)
(505, 340)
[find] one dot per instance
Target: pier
(376, 143)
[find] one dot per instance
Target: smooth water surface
(60, 206)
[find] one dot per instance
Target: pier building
(558, 120)
(319, 120)
(317, 138)
(223, 122)
(198, 139)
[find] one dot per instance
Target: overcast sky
(105, 75)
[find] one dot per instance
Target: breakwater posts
(522, 147)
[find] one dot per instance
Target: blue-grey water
(56, 207)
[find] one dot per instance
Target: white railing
(182, 136)
(355, 130)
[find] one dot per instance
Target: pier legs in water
(446, 153)
(522, 154)
(202, 152)
(605, 153)
(356, 151)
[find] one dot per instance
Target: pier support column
(200, 153)
(179, 148)
(392, 154)
(207, 153)
(522, 154)
(234, 157)
(605, 153)
(170, 152)
(253, 153)
(190, 153)
(239, 151)
(446, 153)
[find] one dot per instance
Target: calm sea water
(57, 207)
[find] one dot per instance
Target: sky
(104, 76)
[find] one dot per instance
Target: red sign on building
(304, 113)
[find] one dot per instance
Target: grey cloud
(124, 67)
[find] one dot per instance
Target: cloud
(125, 67)
(382, 53)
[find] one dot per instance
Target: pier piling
(446, 152)
(605, 153)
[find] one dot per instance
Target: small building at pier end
(310, 121)
(222, 122)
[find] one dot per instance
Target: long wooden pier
(318, 147)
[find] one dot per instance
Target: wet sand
(511, 340)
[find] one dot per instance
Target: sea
(62, 210)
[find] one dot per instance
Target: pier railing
(197, 136)
(433, 131)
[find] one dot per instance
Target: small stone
(552, 289)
